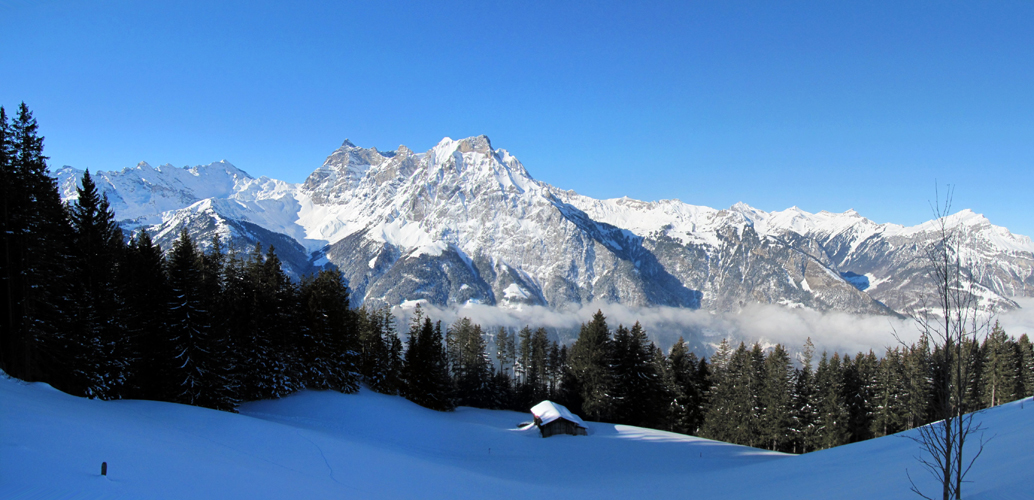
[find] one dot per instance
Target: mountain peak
(477, 144)
(347, 144)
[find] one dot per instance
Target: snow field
(324, 444)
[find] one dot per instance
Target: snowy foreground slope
(366, 445)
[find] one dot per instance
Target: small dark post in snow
(104, 468)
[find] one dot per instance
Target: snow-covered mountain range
(466, 223)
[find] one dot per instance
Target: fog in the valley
(703, 330)
(1019, 321)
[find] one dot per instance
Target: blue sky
(823, 105)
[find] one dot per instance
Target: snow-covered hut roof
(548, 411)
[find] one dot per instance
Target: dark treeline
(97, 315)
(760, 397)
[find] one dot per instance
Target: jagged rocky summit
(465, 223)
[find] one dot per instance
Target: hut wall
(561, 426)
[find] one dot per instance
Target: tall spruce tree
(833, 416)
(276, 309)
(860, 392)
(373, 351)
(99, 333)
(189, 326)
(716, 423)
(637, 387)
(239, 306)
(503, 350)
(569, 392)
(330, 341)
(805, 413)
(683, 390)
(470, 365)
(427, 380)
(590, 367)
(917, 371)
(395, 365)
(776, 401)
(889, 410)
(35, 344)
(1026, 362)
(999, 375)
(146, 307)
(553, 367)
(538, 376)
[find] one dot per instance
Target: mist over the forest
(703, 330)
(768, 324)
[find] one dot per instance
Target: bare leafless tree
(949, 320)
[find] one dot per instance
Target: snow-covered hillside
(464, 223)
(367, 445)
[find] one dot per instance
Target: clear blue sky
(823, 105)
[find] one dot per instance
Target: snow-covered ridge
(334, 201)
(142, 193)
(465, 222)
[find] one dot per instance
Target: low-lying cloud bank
(768, 324)
(1019, 321)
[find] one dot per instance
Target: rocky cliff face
(466, 223)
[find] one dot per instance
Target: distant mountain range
(466, 223)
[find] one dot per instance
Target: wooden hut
(552, 418)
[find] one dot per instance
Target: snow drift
(367, 445)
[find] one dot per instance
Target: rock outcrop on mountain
(465, 223)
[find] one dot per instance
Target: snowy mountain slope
(866, 254)
(325, 444)
(466, 223)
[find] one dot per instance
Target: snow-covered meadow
(367, 445)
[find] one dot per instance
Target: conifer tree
(683, 390)
(590, 367)
(221, 386)
(888, 405)
(394, 368)
(146, 305)
(833, 415)
(1026, 362)
(538, 372)
(522, 365)
(805, 415)
(329, 342)
(34, 344)
(99, 335)
(569, 392)
(917, 371)
(470, 365)
(373, 351)
(275, 366)
(553, 367)
(636, 390)
(860, 391)
(189, 326)
(776, 401)
(970, 355)
(240, 309)
(717, 424)
(999, 370)
(427, 381)
(503, 347)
